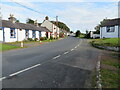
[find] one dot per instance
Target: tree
(71, 31)
(77, 34)
(87, 35)
(61, 25)
(17, 21)
(30, 21)
(97, 28)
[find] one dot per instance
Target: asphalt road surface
(66, 63)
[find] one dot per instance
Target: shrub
(45, 38)
(41, 38)
(51, 38)
(61, 35)
(36, 39)
(30, 39)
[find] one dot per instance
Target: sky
(77, 15)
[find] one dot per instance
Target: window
(111, 29)
(27, 33)
(33, 34)
(12, 33)
(39, 33)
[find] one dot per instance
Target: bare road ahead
(66, 63)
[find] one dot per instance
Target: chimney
(46, 18)
(36, 23)
(12, 18)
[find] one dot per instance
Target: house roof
(111, 22)
(9, 24)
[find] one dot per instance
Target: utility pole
(56, 25)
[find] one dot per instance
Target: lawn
(113, 42)
(4, 47)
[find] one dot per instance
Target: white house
(110, 28)
(11, 31)
(92, 35)
(51, 26)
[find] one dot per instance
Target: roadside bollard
(40, 42)
(22, 44)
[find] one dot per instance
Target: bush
(61, 35)
(45, 38)
(36, 39)
(51, 38)
(30, 39)
(41, 38)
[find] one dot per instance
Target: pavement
(66, 63)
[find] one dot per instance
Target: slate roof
(9, 24)
(111, 22)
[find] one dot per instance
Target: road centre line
(2, 78)
(76, 47)
(24, 70)
(72, 49)
(66, 52)
(57, 57)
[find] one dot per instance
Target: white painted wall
(37, 34)
(105, 34)
(7, 35)
(47, 24)
(30, 33)
(50, 26)
(1, 35)
(20, 35)
(43, 34)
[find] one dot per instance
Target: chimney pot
(12, 18)
(46, 18)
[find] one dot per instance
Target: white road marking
(66, 52)
(72, 49)
(76, 47)
(57, 57)
(2, 78)
(25, 70)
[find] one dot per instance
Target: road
(66, 63)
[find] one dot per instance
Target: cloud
(62, 0)
(80, 15)
(21, 13)
(87, 16)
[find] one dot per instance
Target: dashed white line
(2, 78)
(57, 57)
(66, 52)
(76, 47)
(24, 70)
(72, 49)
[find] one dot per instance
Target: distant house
(110, 28)
(52, 27)
(11, 31)
(93, 35)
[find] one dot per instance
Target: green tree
(17, 21)
(30, 21)
(77, 34)
(61, 25)
(97, 28)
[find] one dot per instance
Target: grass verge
(4, 47)
(110, 70)
(113, 42)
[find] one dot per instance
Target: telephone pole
(57, 26)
